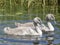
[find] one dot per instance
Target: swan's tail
(6, 29)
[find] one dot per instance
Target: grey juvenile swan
(25, 30)
(49, 26)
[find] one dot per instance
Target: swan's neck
(50, 26)
(39, 30)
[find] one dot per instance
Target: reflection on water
(25, 40)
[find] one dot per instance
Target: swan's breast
(50, 26)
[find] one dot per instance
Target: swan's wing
(32, 31)
(28, 24)
(45, 28)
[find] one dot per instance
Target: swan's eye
(7, 28)
(38, 19)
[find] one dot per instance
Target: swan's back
(28, 24)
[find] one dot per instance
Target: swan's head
(6, 29)
(50, 17)
(37, 20)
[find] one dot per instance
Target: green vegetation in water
(33, 8)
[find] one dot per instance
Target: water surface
(24, 40)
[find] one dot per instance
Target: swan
(49, 18)
(25, 30)
(49, 27)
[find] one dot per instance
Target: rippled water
(24, 40)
